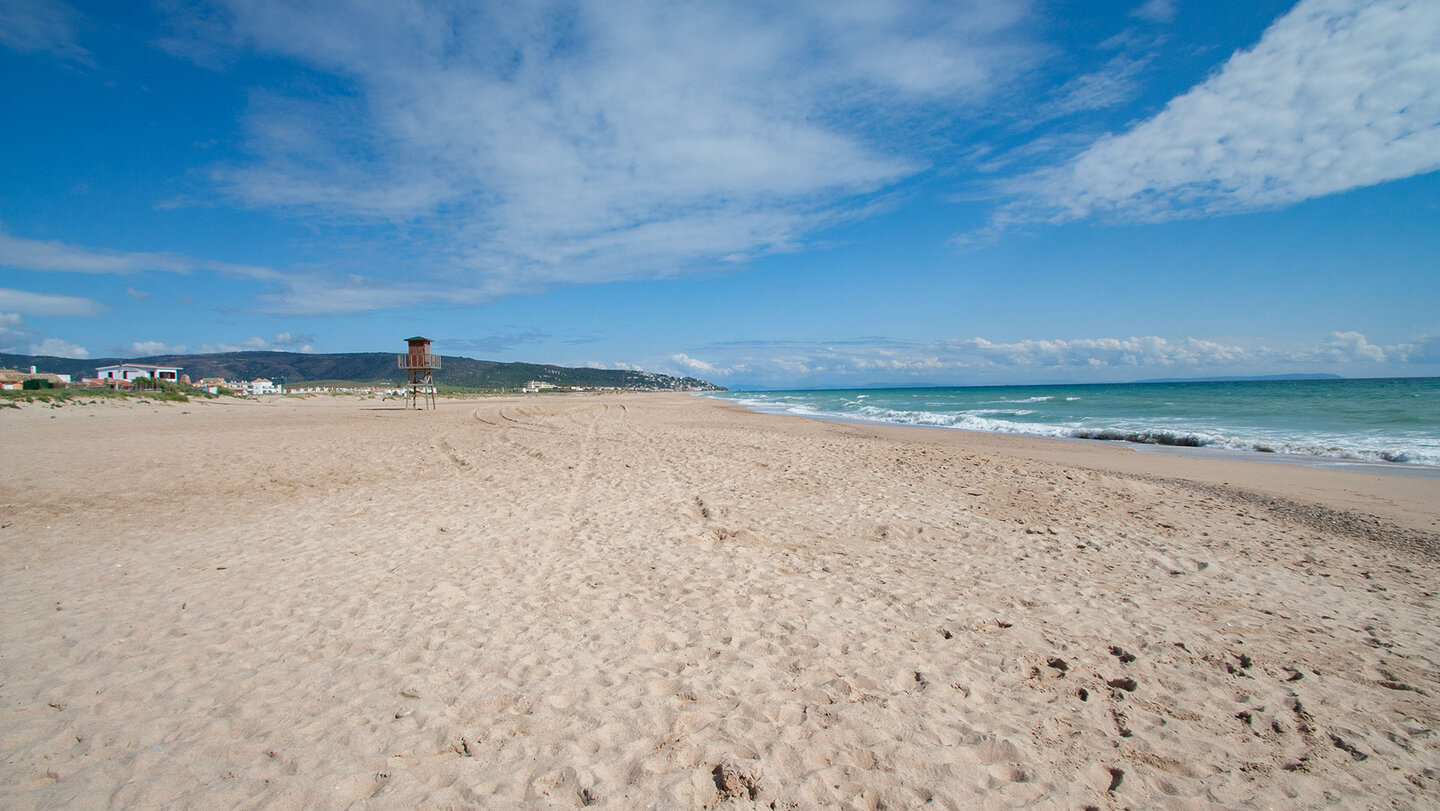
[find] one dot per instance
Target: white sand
(663, 601)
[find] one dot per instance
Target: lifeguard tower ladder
(419, 366)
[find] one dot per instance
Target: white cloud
(1158, 11)
(1353, 347)
(1423, 350)
(38, 26)
(312, 294)
(1116, 83)
(56, 256)
(16, 338)
(138, 295)
(294, 340)
(880, 359)
(594, 142)
(600, 364)
(1110, 352)
(497, 341)
(27, 303)
(284, 342)
(55, 347)
(12, 331)
(693, 364)
(686, 366)
(144, 348)
(1337, 94)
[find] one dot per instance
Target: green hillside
(369, 367)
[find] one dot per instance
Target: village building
(130, 372)
(14, 379)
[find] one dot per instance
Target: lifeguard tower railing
(420, 378)
(409, 362)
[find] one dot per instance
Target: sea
(1393, 422)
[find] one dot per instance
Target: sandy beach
(664, 601)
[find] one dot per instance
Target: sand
(663, 601)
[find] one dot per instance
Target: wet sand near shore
(666, 601)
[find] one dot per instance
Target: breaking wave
(1149, 430)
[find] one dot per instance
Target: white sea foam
(964, 420)
(1420, 448)
(1038, 399)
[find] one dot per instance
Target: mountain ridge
(369, 367)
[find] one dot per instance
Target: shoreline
(1412, 502)
(1405, 469)
(659, 600)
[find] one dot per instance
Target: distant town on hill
(370, 368)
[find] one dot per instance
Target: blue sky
(781, 194)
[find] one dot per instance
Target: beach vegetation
(161, 390)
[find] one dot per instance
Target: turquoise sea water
(1393, 420)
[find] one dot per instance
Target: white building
(135, 371)
(262, 386)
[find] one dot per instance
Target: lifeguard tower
(419, 366)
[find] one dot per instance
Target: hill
(369, 367)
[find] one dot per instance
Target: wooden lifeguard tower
(419, 366)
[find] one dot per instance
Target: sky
(786, 194)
